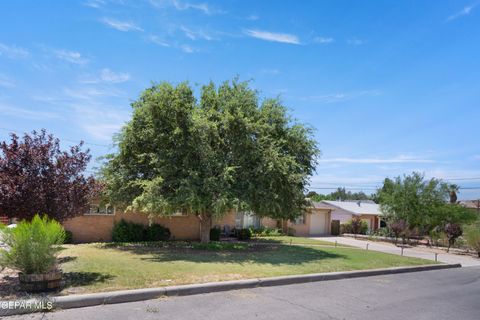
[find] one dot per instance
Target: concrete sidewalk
(423, 253)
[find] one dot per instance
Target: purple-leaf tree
(37, 177)
(453, 231)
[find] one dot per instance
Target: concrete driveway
(423, 253)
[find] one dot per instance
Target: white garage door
(318, 223)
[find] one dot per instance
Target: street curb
(101, 298)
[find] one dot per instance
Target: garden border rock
(101, 298)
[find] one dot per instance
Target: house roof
(355, 207)
(472, 204)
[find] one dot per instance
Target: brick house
(96, 225)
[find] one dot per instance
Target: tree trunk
(205, 226)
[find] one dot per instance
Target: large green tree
(227, 150)
(422, 203)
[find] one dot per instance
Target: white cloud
(203, 7)
(397, 159)
(157, 40)
(196, 34)
(108, 75)
(252, 17)
(94, 3)
(355, 42)
(13, 52)
(71, 56)
(476, 157)
(187, 49)
(6, 81)
(91, 93)
(272, 36)
(100, 121)
(24, 113)
(124, 26)
(464, 12)
(272, 72)
(323, 40)
(341, 97)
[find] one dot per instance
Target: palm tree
(453, 189)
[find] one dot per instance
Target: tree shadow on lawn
(80, 279)
(10, 286)
(273, 253)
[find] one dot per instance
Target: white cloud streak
(156, 40)
(341, 96)
(6, 81)
(464, 12)
(124, 26)
(107, 76)
(323, 40)
(196, 34)
(71, 56)
(13, 52)
(355, 42)
(397, 159)
(272, 36)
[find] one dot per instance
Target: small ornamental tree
(226, 150)
(453, 231)
(36, 177)
(398, 228)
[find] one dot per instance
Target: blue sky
(390, 86)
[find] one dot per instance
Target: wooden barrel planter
(50, 281)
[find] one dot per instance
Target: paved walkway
(424, 253)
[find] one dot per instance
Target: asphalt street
(442, 294)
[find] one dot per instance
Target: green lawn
(105, 267)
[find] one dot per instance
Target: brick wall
(98, 228)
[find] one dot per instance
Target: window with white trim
(101, 210)
(300, 219)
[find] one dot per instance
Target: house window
(181, 213)
(300, 219)
(246, 220)
(101, 210)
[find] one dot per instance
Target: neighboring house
(343, 211)
(473, 205)
(316, 221)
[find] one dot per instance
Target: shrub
(266, 232)
(383, 232)
(68, 237)
(125, 231)
(355, 226)
(359, 226)
(157, 232)
(244, 234)
(291, 232)
(32, 245)
(345, 228)
(215, 233)
(472, 235)
(453, 231)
